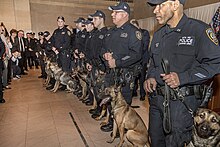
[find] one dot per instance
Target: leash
(166, 103)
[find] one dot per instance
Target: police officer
(190, 49)
(80, 37)
(93, 55)
(41, 46)
(60, 41)
(122, 51)
(2, 51)
(145, 59)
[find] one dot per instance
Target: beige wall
(45, 12)
(142, 10)
(15, 14)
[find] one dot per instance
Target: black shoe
(86, 100)
(92, 111)
(117, 134)
(24, 73)
(2, 100)
(62, 88)
(134, 94)
(89, 103)
(40, 76)
(50, 87)
(107, 128)
(95, 115)
(142, 98)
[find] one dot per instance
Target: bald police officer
(192, 51)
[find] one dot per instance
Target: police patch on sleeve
(212, 36)
(138, 35)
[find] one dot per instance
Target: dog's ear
(118, 89)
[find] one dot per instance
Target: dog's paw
(110, 141)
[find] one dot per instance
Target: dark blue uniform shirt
(125, 43)
(61, 39)
(191, 49)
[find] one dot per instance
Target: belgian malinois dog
(130, 125)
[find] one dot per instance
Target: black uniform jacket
(61, 39)
(191, 49)
(125, 43)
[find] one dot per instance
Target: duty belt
(185, 91)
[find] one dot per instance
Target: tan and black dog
(206, 131)
(130, 125)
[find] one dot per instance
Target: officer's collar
(123, 26)
(179, 26)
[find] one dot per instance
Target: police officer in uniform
(41, 46)
(122, 52)
(190, 49)
(60, 41)
(93, 55)
(80, 38)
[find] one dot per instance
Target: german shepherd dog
(57, 72)
(130, 125)
(49, 71)
(206, 131)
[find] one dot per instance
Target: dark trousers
(9, 70)
(32, 60)
(181, 122)
(23, 62)
(42, 66)
(141, 79)
(1, 84)
(64, 61)
(16, 70)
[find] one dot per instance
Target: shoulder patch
(212, 36)
(138, 35)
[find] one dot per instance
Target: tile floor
(35, 117)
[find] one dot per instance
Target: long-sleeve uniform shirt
(191, 49)
(61, 39)
(125, 43)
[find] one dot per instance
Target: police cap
(80, 19)
(40, 33)
(157, 2)
(61, 17)
(46, 34)
(120, 6)
(86, 22)
(99, 14)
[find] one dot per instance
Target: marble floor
(35, 117)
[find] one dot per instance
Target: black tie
(22, 45)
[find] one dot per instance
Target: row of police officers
(183, 48)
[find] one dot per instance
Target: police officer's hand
(81, 55)
(111, 63)
(107, 56)
(171, 79)
(88, 66)
(54, 49)
(150, 85)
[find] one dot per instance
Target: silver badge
(124, 35)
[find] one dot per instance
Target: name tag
(124, 35)
(187, 40)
